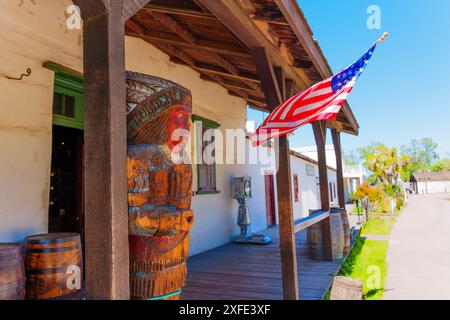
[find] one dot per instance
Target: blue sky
(405, 90)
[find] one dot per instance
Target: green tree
(365, 151)
(406, 168)
(422, 154)
(386, 165)
(441, 166)
(352, 158)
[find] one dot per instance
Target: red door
(270, 200)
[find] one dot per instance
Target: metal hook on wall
(27, 74)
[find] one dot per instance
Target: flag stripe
(322, 101)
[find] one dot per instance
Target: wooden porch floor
(252, 272)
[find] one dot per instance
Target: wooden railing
(307, 222)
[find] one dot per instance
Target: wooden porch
(264, 59)
(249, 272)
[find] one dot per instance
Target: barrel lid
(8, 248)
(53, 238)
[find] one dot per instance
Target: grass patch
(365, 262)
(378, 225)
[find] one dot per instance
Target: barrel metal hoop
(52, 250)
(165, 296)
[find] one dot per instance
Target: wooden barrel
(337, 235)
(12, 273)
(346, 289)
(54, 267)
(346, 226)
(315, 241)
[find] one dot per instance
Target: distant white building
(353, 175)
(430, 182)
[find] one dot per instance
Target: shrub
(400, 202)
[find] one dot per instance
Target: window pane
(69, 107)
(207, 171)
(57, 103)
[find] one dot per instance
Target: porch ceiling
(193, 36)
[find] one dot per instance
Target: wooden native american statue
(159, 186)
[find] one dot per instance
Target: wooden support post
(319, 128)
(106, 222)
(336, 135)
(272, 87)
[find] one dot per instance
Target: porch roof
(215, 37)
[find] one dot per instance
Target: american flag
(322, 101)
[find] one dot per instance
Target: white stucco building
(430, 182)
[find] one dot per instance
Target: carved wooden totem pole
(159, 186)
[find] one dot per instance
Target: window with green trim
(68, 97)
(206, 171)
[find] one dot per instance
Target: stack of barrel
(340, 236)
(49, 268)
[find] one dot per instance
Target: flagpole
(384, 36)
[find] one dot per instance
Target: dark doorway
(270, 200)
(66, 213)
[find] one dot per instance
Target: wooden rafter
(179, 12)
(188, 60)
(190, 39)
(231, 14)
(186, 35)
(168, 38)
(130, 7)
(173, 25)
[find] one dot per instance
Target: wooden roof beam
(270, 21)
(239, 86)
(172, 39)
(186, 35)
(176, 28)
(172, 51)
(131, 7)
(238, 22)
(179, 12)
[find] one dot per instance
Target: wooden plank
(179, 12)
(293, 15)
(285, 216)
(336, 136)
(106, 225)
(239, 23)
(319, 128)
(311, 220)
(253, 272)
(173, 25)
(267, 77)
(130, 7)
(201, 44)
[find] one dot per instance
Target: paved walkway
(419, 251)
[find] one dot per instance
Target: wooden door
(66, 210)
(270, 200)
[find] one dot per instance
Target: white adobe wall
(34, 32)
(433, 187)
(309, 197)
